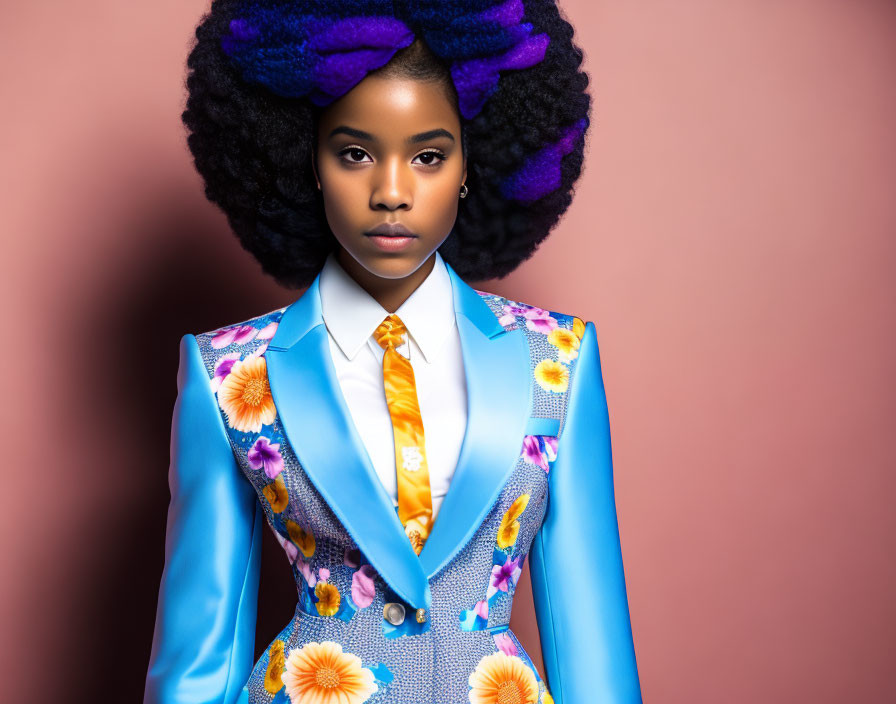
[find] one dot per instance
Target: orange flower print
(327, 598)
(552, 376)
(245, 396)
(302, 537)
(276, 663)
(320, 673)
(566, 342)
(510, 526)
(503, 679)
(578, 327)
(276, 494)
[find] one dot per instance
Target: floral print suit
(261, 436)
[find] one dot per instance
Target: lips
(391, 237)
(390, 229)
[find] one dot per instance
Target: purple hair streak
(322, 50)
(540, 174)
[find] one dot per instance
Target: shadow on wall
(192, 282)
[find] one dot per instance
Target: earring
(464, 190)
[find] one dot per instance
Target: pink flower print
(292, 552)
(505, 575)
(363, 586)
(267, 455)
(540, 320)
(238, 335)
(505, 644)
(507, 315)
(324, 574)
(222, 369)
(481, 609)
(267, 332)
(307, 572)
(506, 319)
(532, 452)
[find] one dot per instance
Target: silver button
(393, 612)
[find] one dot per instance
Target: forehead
(392, 108)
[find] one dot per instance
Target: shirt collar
(351, 314)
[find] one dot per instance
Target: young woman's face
(389, 153)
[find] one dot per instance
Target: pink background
(732, 239)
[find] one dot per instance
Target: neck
(389, 293)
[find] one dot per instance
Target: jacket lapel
(496, 365)
(320, 430)
(318, 425)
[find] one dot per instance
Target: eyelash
(437, 152)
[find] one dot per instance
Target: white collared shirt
(433, 347)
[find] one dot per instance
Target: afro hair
(253, 149)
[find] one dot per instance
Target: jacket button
(421, 615)
(393, 612)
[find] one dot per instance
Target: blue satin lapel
(496, 365)
(318, 424)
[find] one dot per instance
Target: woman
(409, 439)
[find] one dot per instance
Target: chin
(392, 267)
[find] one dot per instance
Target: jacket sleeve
(578, 584)
(204, 640)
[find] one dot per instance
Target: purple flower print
(540, 320)
(265, 454)
(222, 368)
(505, 644)
(363, 586)
(520, 309)
(505, 575)
(532, 452)
(238, 335)
(509, 313)
(540, 450)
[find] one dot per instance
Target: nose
(392, 186)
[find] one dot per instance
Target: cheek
(441, 203)
(343, 198)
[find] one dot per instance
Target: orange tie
(414, 494)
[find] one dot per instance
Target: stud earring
(464, 190)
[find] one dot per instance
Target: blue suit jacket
(261, 434)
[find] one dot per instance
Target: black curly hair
(253, 149)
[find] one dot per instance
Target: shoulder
(553, 339)
(224, 346)
(513, 315)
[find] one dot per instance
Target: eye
(355, 155)
(434, 155)
(352, 152)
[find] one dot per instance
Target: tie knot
(391, 332)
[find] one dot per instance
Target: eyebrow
(414, 139)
